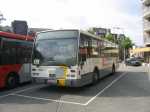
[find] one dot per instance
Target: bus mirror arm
(81, 64)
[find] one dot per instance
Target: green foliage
(127, 43)
(102, 36)
(110, 37)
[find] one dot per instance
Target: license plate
(52, 81)
(52, 75)
(35, 74)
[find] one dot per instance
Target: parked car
(140, 59)
(133, 62)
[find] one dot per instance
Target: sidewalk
(143, 68)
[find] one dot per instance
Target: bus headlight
(71, 75)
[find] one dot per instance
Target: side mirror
(81, 63)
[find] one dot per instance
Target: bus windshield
(57, 51)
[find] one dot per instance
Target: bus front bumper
(64, 82)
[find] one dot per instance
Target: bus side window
(83, 50)
(9, 52)
(95, 48)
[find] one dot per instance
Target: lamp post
(118, 35)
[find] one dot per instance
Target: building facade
(101, 32)
(146, 27)
(146, 22)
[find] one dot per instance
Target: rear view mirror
(81, 63)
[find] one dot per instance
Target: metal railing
(146, 25)
(146, 2)
(146, 9)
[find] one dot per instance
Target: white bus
(72, 58)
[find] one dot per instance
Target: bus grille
(59, 73)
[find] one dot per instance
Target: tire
(12, 81)
(34, 80)
(113, 69)
(95, 78)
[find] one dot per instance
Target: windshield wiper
(50, 59)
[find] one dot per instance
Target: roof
(49, 30)
(16, 36)
(81, 31)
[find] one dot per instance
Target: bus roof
(16, 36)
(56, 30)
(81, 31)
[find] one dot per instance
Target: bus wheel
(12, 81)
(95, 78)
(113, 69)
(34, 80)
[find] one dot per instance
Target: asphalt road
(126, 91)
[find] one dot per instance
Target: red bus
(15, 59)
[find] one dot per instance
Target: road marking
(19, 91)
(103, 90)
(62, 101)
(26, 89)
(5, 95)
(46, 99)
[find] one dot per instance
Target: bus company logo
(36, 61)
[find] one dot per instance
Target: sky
(80, 14)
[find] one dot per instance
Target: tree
(1, 18)
(127, 43)
(110, 37)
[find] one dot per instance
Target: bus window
(83, 49)
(8, 52)
(95, 48)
